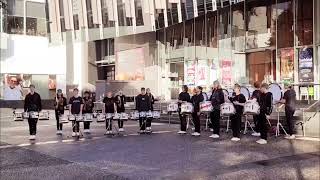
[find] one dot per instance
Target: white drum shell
(79, 118)
(156, 114)
(227, 109)
(25, 115)
(88, 117)
(142, 114)
(251, 107)
(206, 106)
(34, 115)
(108, 116)
(135, 115)
(186, 108)
(173, 107)
(116, 116)
(149, 114)
(102, 117)
(124, 116)
(71, 117)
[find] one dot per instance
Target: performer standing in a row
(76, 107)
(184, 96)
(238, 100)
(109, 107)
(265, 103)
(87, 109)
(151, 97)
(196, 99)
(120, 102)
(32, 103)
(217, 98)
(59, 104)
(143, 104)
(256, 97)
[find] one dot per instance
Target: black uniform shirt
(196, 100)
(143, 102)
(217, 98)
(109, 104)
(241, 99)
(88, 105)
(184, 96)
(75, 104)
(290, 97)
(256, 94)
(32, 102)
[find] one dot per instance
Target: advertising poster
(306, 65)
(287, 56)
(202, 73)
(226, 71)
(190, 73)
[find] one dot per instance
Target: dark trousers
(196, 121)
(148, 123)
(32, 126)
(255, 120)
(144, 122)
(215, 121)
(59, 125)
(86, 125)
(75, 126)
(120, 123)
(236, 124)
(262, 125)
(109, 124)
(289, 118)
(183, 122)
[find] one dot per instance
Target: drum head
(276, 91)
(245, 91)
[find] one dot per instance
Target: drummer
(143, 104)
(59, 104)
(32, 103)
(109, 107)
(196, 99)
(184, 96)
(87, 109)
(152, 99)
(289, 99)
(238, 100)
(256, 96)
(75, 107)
(120, 102)
(216, 98)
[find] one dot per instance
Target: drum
(88, 117)
(79, 118)
(94, 114)
(186, 108)
(135, 115)
(71, 118)
(108, 116)
(124, 116)
(25, 115)
(142, 114)
(63, 119)
(18, 116)
(44, 115)
(245, 91)
(251, 107)
(206, 106)
(227, 109)
(116, 116)
(34, 115)
(156, 114)
(276, 91)
(172, 107)
(102, 117)
(149, 114)
(226, 95)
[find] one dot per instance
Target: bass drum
(245, 91)
(276, 91)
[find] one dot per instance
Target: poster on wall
(286, 59)
(202, 73)
(190, 73)
(226, 71)
(306, 65)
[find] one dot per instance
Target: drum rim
(281, 96)
(244, 87)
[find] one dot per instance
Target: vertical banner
(287, 64)
(202, 73)
(226, 71)
(190, 73)
(306, 65)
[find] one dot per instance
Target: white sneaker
(290, 137)
(73, 134)
(86, 131)
(262, 141)
(235, 139)
(121, 130)
(58, 133)
(211, 130)
(32, 137)
(193, 129)
(214, 136)
(142, 131)
(256, 134)
(77, 134)
(195, 134)
(182, 132)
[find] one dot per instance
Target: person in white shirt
(12, 92)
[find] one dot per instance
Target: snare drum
(135, 115)
(25, 115)
(108, 116)
(63, 119)
(149, 114)
(186, 108)
(79, 118)
(116, 116)
(227, 109)
(156, 114)
(206, 106)
(102, 117)
(172, 107)
(71, 117)
(124, 116)
(34, 115)
(18, 116)
(251, 107)
(142, 114)
(44, 115)
(88, 117)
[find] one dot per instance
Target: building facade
(163, 44)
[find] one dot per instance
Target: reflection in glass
(304, 24)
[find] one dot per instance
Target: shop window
(139, 14)
(36, 26)
(200, 39)
(238, 27)
(285, 23)
(212, 31)
(15, 25)
(304, 23)
(189, 33)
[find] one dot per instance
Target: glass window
(35, 9)
(212, 31)
(189, 9)
(15, 25)
(317, 21)
(304, 23)
(238, 27)
(200, 31)
(105, 19)
(36, 27)
(189, 33)
(284, 23)
(159, 19)
(90, 15)
(201, 7)
(139, 15)
(174, 13)
(224, 23)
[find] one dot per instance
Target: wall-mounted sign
(190, 73)
(306, 65)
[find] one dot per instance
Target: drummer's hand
(236, 103)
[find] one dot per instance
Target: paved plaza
(161, 155)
